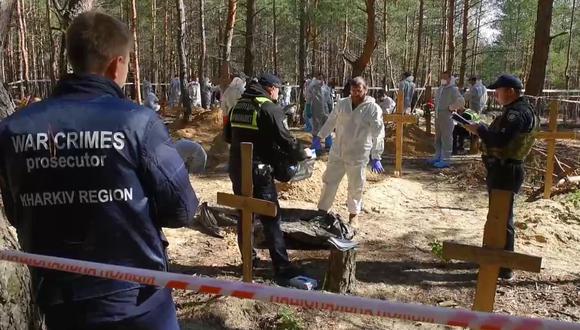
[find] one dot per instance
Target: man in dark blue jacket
(87, 174)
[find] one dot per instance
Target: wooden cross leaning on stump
(400, 119)
(248, 206)
(492, 255)
(551, 136)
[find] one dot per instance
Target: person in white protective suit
(151, 101)
(194, 92)
(307, 113)
(232, 94)
(476, 95)
(285, 95)
(320, 111)
(206, 91)
(447, 99)
(174, 92)
(360, 131)
(193, 155)
(385, 102)
(408, 87)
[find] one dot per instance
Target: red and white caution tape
(301, 298)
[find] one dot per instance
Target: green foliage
(288, 321)
(574, 198)
(437, 250)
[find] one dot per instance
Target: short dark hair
(406, 74)
(93, 39)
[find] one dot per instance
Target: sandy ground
(401, 217)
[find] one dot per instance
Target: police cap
(507, 81)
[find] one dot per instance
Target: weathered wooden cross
(248, 206)
(492, 255)
(551, 136)
(400, 119)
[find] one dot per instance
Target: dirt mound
(416, 142)
(470, 174)
(548, 223)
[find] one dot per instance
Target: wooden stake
(492, 255)
(552, 127)
(248, 205)
(400, 119)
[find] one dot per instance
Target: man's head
(473, 80)
(406, 74)
(445, 78)
(99, 44)
(508, 88)
(358, 89)
(271, 85)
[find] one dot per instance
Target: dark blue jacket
(87, 174)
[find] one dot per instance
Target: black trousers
(146, 308)
(264, 188)
(459, 136)
(510, 177)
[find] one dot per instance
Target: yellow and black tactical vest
(246, 112)
(518, 148)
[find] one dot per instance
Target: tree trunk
(166, 67)
(228, 37)
(185, 99)
(406, 40)
(17, 309)
(302, 51)
(154, 58)
(340, 275)
(249, 50)
(463, 64)
(22, 36)
(344, 48)
(203, 51)
(450, 36)
(570, 34)
(135, 54)
(476, 42)
(419, 39)
(275, 38)
(360, 64)
(387, 54)
(542, 41)
(442, 50)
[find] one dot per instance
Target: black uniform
(257, 119)
(505, 146)
(460, 134)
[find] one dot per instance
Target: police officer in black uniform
(256, 118)
(505, 145)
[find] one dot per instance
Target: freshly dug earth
(402, 218)
(416, 142)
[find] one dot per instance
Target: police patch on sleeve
(512, 116)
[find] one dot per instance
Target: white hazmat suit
(477, 96)
(194, 93)
(232, 94)
(447, 99)
(359, 133)
(174, 92)
(319, 105)
(151, 101)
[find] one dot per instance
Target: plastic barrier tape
(301, 298)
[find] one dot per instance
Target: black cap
(268, 80)
(507, 81)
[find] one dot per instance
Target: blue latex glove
(328, 142)
(377, 167)
(316, 143)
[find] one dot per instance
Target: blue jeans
(146, 308)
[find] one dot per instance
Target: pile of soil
(416, 142)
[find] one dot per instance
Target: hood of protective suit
(233, 93)
(448, 97)
(410, 78)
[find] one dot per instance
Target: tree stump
(340, 276)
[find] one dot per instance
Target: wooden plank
(399, 136)
(407, 119)
(247, 182)
(552, 125)
(251, 204)
(558, 135)
(486, 286)
(494, 237)
(498, 257)
(247, 215)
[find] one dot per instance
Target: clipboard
(461, 120)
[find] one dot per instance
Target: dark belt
(494, 161)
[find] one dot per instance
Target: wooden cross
(248, 205)
(492, 255)
(551, 136)
(400, 119)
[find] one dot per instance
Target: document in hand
(457, 117)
